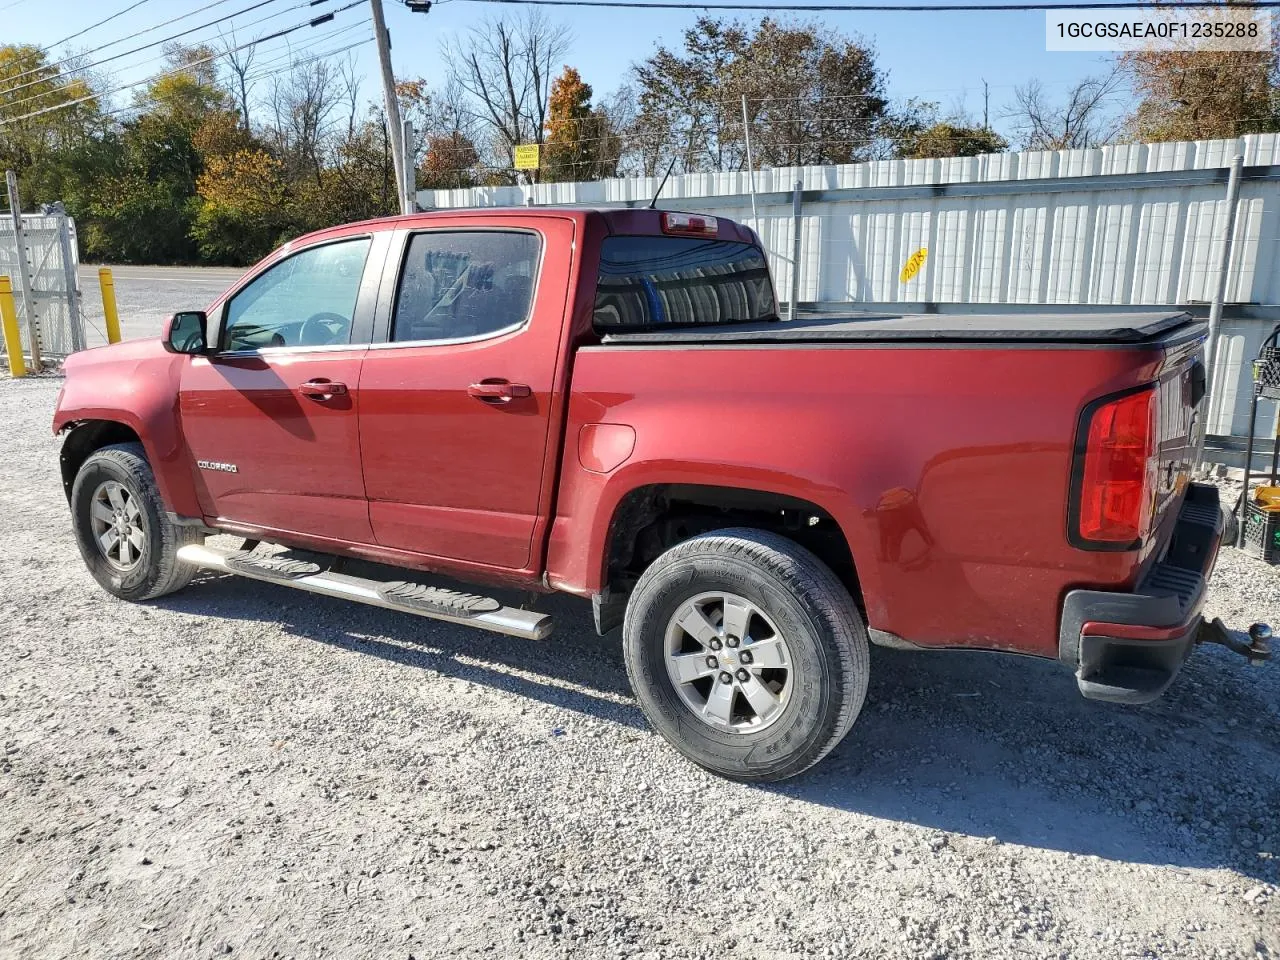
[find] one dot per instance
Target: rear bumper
(1128, 647)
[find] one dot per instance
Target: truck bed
(1099, 328)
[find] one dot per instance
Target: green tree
(45, 115)
(682, 96)
(188, 90)
(945, 139)
(144, 210)
(243, 206)
(813, 96)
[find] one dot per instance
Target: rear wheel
(125, 537)
(746, 653)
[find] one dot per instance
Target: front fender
(136, 384)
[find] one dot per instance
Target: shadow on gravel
(992, 746)
(1005, 748)
(575, 663)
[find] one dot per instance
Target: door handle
(322, 389)
(499, 391)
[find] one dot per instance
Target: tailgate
(1181, 403)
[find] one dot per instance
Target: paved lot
(147, 296)
(243, 770)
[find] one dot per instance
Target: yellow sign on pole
(913, 265)
(527, 156)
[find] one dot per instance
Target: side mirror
(186, 331)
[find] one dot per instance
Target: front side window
(458, 284)
(651, 281)
(307, 300)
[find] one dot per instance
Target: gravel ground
(239, 769)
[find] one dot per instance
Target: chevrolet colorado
(605, 403)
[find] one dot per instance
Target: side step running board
(465, 609)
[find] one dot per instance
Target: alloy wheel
(116, 520)
(728, 662)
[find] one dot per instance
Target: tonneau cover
(1024, 326)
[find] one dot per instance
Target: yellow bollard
(9, 321)
(109, 304)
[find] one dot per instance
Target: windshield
(655, 281)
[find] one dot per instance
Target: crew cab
(606, 403)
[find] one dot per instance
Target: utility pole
(394, 127)
(986, 105)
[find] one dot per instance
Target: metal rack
(1253, 521)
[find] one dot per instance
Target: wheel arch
(650, 518)
(82, 438)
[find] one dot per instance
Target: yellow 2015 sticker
(913, 265)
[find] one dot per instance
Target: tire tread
(816, 587)
(172, 574)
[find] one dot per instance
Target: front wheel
(746, 653)
(125, 537)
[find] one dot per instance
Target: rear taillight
(1117, 469)
(689, 225)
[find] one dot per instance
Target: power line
(105, 20)
(168, 39)
(290, 57)
(295, 62)
(270, 73)
(253, 23)
(103, 46)
(161, 57)
(186, 66)
(876, 8)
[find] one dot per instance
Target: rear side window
(465, 283)
(651, 281)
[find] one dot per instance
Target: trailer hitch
(1257, 650)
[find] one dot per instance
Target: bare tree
(507, 66)
(302, 104)
(348, 82)
(448, 111)
(239, 62)
(618, 113)
(1080, 120)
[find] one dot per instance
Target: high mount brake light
(1119, 474)
(689, 225)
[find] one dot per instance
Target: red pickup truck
(606, 403)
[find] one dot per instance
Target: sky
(936, 55)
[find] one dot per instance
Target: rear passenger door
(456, 402)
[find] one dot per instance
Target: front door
(456, 407)
(271, 417)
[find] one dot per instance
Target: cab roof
(633, 221)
